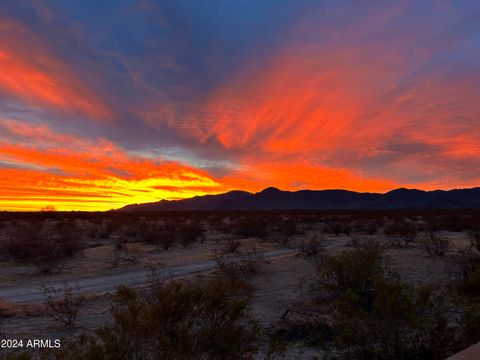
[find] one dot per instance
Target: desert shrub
(155, 234)
(283, 230)
(43, 244)
(278, 238)
(174, 321)
(167, 239)
(312, 248)
(469, 324)
(251, 260)
(338, 228)
(252, 226)
(475, 240)
(435, 244)
(400, 233)
(311, 226)
(351, 273)
(149, 233)
(374, 315)
(456, 221)
(230, 245)
(62, 303)
(190, 232)
(308, 331)
(126, 253)
(364, 226)
(468, 272)
(403, 323)
(240, 268)
(290, 226)
(372, 227)
(108, 227)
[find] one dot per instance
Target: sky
(114, 102)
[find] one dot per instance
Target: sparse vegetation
(435, 244)
(312, 248)
(468, 272)
(230, 245)
(400, 233)
(190, 232)
(62, 303)
(174, 321)
(357, 305)
(47, 245)
(251, 226)
(475, 240)
(374, 315)
(240, 268)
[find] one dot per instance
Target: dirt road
(105, 283)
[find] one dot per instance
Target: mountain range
(273, 198)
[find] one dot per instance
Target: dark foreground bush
(468, 272)
(374, 315)
(175, 321)
(351, 273)
(475, 240)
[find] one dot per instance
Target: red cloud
(31, 73)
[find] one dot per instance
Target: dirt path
(105, 283)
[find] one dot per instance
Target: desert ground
(278, 254)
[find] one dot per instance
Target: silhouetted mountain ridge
(273, 198)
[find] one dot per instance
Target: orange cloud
(34, 75)
(348, 113)
(87, 175)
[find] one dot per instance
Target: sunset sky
(108, 103)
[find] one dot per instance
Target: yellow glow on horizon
(112, 193)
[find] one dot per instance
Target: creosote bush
(435, 244)
(190, 232)
(47, 244)
(283, 229)
(337, 228)
(312, 248)
(173, 321)
(468, 272)
(240, 268)
(230, 245)
(400, 233)
(252, 226)
(62, 303)
(374, 315)
(352, 272)
(126, 253)
(475, 240)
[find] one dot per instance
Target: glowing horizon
(104, 105)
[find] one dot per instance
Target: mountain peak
(270, 190)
